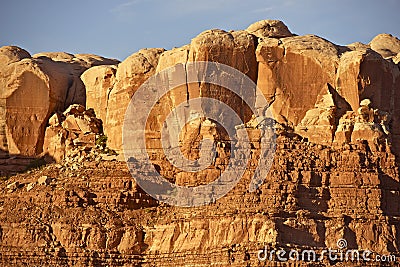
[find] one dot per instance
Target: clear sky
(118, 28)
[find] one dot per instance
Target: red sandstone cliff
(334, 175)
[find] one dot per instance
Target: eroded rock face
(364, 74)
(130, 75)
(292, 72)
(269, 28)
(173, 57)
(75, 127)
(396, 59)
(286, 78)
(317, 187)
(334, 175)
(319, 125)
(235, 49)
(11, 54)
(386, 44)
(99, 81)
(79, 62)
(33, 88)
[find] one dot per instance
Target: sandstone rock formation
(99, 82)
(96, 214)
(131, 73)
(109, 90)
(364, 74)
(32, 88)
(334, 175)
(293, 71)
(11, 54)
(386, 44)
(318, 125)
(269, 28)
(396, 59)
(74, 127)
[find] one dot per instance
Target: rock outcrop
(32, 88)
(11, 54)
(364, 74)
(319, 125)
(293, 71)
(99, 82)
(96, 214)
(75, 127)
(269, 28)
(386, 44)
(109, 90)
(335, 174)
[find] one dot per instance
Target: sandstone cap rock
(357, 46)
(55, 56)
(11, 54)
(386, 44)
(269, 28)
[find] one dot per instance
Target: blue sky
(118, 28)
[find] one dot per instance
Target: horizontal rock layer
(92, 212)
(334, 174)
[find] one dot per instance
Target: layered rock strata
(334, 175)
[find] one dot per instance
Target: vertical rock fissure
(186, 80)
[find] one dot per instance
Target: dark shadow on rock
(11, 164)
(342, 106)
(349, 234)
(301, 237)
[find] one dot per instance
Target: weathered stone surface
(74, 109)
(130, 75)
(357, 46)
(76, 127)
(56, 56)
(55, 120)
(319, 124)
(292, 72)
(90, 60)
(92, 212)
(235, 49)
(99, 82)
(12, 186)
(11, 54)
(269, 28)
(386, 44)
(335, 172)
(33, 88)
(55, 142)
(396, 59)
(345, 128)
(365, 74)
(173, 57)
(79, 62)
(44, 180)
